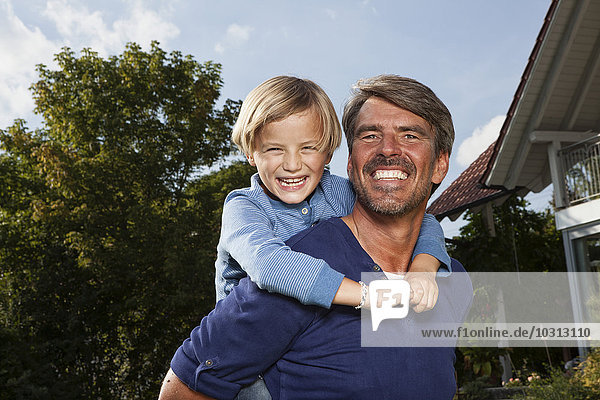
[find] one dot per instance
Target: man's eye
(369, 136)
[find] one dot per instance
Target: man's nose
(292, 162)
(389, 145)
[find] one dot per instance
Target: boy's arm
(247, 234)
(431, 241)
(429, 257)
(423, 287)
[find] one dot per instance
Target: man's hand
(173, 389)
(423, 287)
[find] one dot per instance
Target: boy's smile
(286, 156)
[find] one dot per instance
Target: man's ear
(250, 159)
(440, 168)
(349, 165)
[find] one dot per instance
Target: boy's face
(285, 154)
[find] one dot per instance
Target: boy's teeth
(389, 174)
(291, 181)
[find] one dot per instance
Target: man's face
(392, 164)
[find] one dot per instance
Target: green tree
(525, 240)
(107, 230)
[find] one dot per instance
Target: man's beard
(389, 205)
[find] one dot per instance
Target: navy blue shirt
(308, 351)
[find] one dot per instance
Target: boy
(288, 129)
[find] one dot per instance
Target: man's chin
(386, 206)
(390, 204)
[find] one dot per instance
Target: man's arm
(247, 332)
(173, 389)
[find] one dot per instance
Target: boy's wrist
(424, 262)
(364, 295)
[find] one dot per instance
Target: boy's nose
(292, 162)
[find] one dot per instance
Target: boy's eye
(273, 149)
(309, 148)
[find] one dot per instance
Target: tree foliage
(525, 240)
(107, 231)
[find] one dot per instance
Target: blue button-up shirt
(255, 227)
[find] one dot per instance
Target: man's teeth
(389, 174)
(291, 181)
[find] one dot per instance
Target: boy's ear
(250, 160)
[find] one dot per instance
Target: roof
(466, 191)
(557, 101)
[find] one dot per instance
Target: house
(551, 135)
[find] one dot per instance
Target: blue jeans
(257, 391)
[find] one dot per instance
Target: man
(399, 137)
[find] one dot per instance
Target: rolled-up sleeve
(242, 337)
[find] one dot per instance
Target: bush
(584, 384)
(558, 386)
(475, 390)
(588, 373)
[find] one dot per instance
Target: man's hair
(405, 93)
(278, 98)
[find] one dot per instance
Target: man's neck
(388, 240)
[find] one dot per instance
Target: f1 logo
(389, 300)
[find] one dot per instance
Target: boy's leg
(257, 391)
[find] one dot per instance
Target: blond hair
(278, 98)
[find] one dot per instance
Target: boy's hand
(423, 290)
(423, 287)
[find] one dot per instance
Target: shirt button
(376, 268)
(208, 363)
(305, 211)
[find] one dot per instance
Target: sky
(471, 53)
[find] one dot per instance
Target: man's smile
(389, 169)
(389, 174)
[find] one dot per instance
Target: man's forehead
(377, 111)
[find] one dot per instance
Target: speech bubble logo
(389, 300)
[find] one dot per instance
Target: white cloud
(479, 140)
(81, 27)
(236, 36)
(331, 13)
(22, 48)
(144, 25)
(367, 4)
